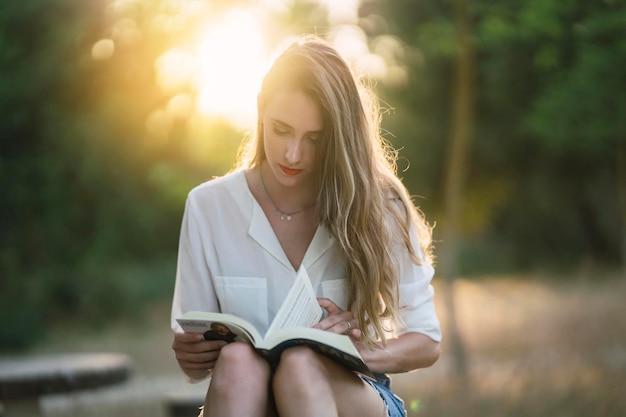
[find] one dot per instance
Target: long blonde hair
(361, 200)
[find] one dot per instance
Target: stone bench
(25, 379)
(183, 404)
(187, 400)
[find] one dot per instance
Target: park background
(510, 122)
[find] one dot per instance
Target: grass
(536, 347)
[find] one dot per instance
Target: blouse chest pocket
(336, 291)
(245, 297)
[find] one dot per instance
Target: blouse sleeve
(194, 284)
(417, 307)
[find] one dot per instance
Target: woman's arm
(405, 353)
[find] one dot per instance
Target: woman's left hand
(338, 321)
(404, 353)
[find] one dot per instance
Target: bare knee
(303, 384)
(239, 385)
(301, 357)
(297, 365)
(236, 363)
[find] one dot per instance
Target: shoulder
(222, 194)
(233, 182)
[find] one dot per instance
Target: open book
(291, 327)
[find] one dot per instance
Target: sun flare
(231, 62)
(219, 66)
(231, 65)
(224, 66)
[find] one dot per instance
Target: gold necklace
(283, 215)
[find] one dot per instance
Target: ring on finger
(349, 329)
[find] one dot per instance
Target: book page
(300, 308)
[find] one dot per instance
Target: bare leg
(307, 384)
(239, 385)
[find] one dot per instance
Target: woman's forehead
(296, 110)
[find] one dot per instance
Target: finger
(197, 358)
(330, 307)
(329, 322)
(339, 323)
(205, 347)
(197, 346)
(188, 337)
(356, 334)
(197, 361)
(344, 327)
(194, 366)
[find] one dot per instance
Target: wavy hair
(361, 200)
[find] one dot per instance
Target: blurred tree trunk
(621, 194)
(462, 118)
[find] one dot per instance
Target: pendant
(283, 216)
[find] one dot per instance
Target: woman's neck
(287, 200)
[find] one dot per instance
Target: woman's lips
(290, 171)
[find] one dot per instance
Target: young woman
(315, 187)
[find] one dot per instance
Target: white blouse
(230, 260)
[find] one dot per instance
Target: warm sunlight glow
(224, 52)
(222, 63)
(175, 69)
(231, 58)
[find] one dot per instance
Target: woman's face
(292, 127)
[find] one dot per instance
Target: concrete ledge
(32, 377)
(183, 404)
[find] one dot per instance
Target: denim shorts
(382, 384)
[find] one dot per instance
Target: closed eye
(313, 139)
(280, 132)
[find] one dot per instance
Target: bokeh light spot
(102, 50)
(414, 405)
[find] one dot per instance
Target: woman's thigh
(315, 373)
(239, 384)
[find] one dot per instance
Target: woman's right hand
(195, 355)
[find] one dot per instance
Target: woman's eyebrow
(288, 126)
(281, 123)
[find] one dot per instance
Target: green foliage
(595, 119)
(93, 193)
(542, 185)
(78, 198)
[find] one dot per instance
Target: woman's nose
(293, 152)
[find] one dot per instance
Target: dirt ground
(535, 347)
